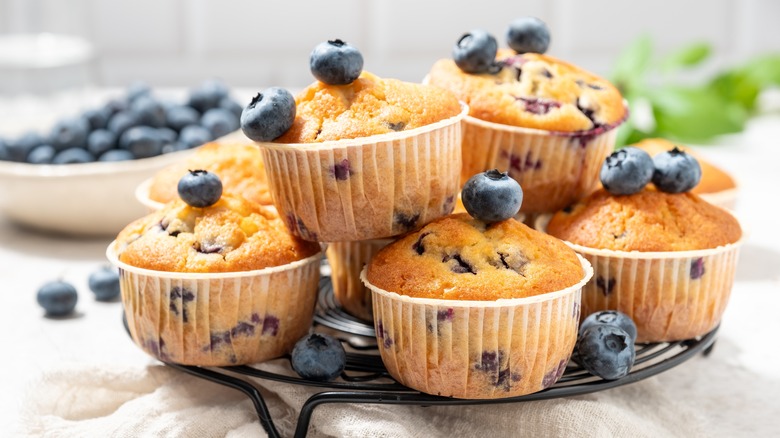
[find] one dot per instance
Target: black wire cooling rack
(365, 379)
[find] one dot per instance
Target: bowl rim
(499, 303)
(540, 224)
(373, 139)
(142, 191)
(113, 257)
(12, 168)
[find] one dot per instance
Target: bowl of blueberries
(79, 177)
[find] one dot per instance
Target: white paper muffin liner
(346, 261)
(554, 169)
(366, 188)
(671, 296)
(219, 319)
(477, 349)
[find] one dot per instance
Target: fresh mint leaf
(632, 63)
(695, 114)
(737, 86)
(689, 56)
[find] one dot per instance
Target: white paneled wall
(253, 43)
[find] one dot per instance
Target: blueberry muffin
(221, 285)
(666, 260)
(548, 123)
(473, 310)
(238, 164)
(371, 159)
(716, 185)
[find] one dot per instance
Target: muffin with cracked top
(364, 157)
(224, 284)
(469, 309)
(667, 260)
(547, 122)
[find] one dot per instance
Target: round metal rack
(365, 379)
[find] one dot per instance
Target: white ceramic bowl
(94, 199)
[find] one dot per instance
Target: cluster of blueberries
(58, 298)
(135, 125)
(628, 170)
(475, 51)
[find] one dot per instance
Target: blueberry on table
(610, 317)
(606, 351)
(475, 52)
(117, 155)
(269, 115)
(319, 357)
(104, 283)
(675, 171)
(200, 188)
(492, 196)
(194, 136)
(528, 35)
(73, 156)
(219, 121)
(626, 171)
(43, 154)
(142, 141)
(335, 62)
(58, 298)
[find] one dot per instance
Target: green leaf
(632, 63)
(690, 56)
(737, 86)
(764, 70)
(695, 114)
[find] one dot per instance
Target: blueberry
(199, 188)
(174, 147)
(122, 121)
(219, 121)
(626, 171)
(269, 115)
(100, 141)
(43, 154)
(137, 89)
(142, 141)
(18, 149)
(606, 351)
(149, 111)
(180, 116)
(58, 298)
(70, 132)
(492, 196)
(318, 356)
(73, 156)
(207, 95)
(610, 317)
(97, 118)
(475, 52)
(117, 155)
(232, 106)
(4, 151)
(104, 283)
(335, 62)
(675, 171)
(167, 135)
(115, 105)
(528, 34)
(195, 135)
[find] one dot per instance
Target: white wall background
(253, 43)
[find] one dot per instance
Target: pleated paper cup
(477, 349)
(670, 295)
(142, 194)
(219, 319)
(554, 168)
(366, 188)
(347, 260)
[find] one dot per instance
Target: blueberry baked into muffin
(547, 122)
